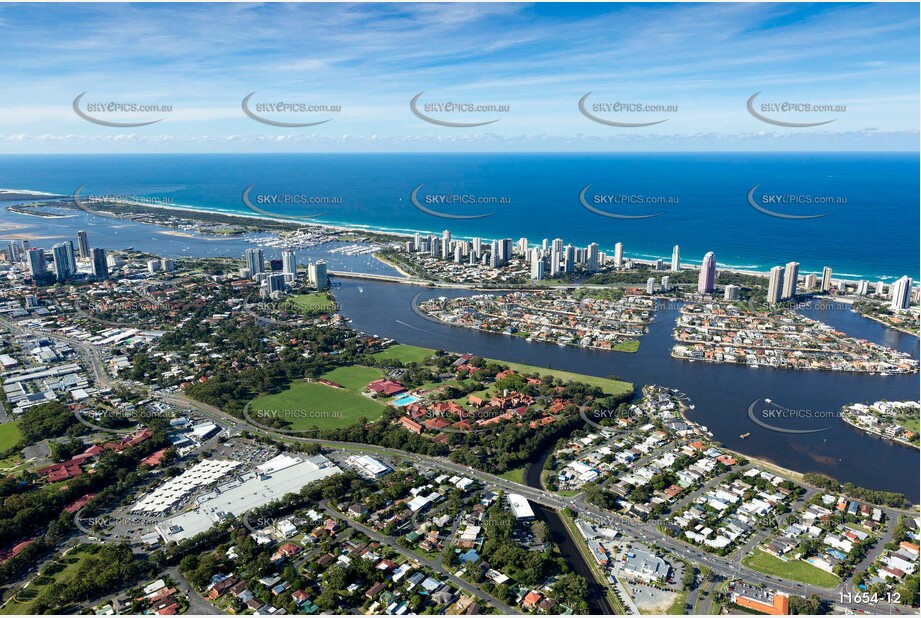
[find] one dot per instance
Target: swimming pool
(404, 400)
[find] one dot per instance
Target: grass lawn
(796, 570)
(315, 302)
(630, 345)
(409, 353)
(9, 435)
(516, 475)
(912, 424)
(405, 353)
(12, 464)
(311, 404)
(611, 387)
(61, 573)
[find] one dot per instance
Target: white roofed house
(646, 566)
(520, 506)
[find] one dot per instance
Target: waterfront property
(726, 333)
(894, 420)
(553, 317)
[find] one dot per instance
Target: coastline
(189, 208)
(404, 234)
(768, 465)
(376, 256)
(684, 409)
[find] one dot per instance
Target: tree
(812, 606)
(540, 531)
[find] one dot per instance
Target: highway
(646, 531)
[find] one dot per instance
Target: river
(567, 543)
(722, 394)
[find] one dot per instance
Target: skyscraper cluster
(556, 257)
(63, 263)
(283, 272)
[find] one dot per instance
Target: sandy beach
(189, 211)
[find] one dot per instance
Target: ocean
(701, 201)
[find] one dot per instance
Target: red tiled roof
(154, 458)
(387, 387)
(532, 598)
(79, 503)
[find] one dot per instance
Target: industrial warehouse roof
(169, 493)
(256, 490)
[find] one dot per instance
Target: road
(726, 567)
(432, 564)
(198, 605)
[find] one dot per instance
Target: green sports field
(9, 435)
(306, 405)
(405, 353)
(354, 378)
(796, 570)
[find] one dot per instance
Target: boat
(744, 435)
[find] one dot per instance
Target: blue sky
(537, 59)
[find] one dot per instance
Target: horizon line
(473, 152)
